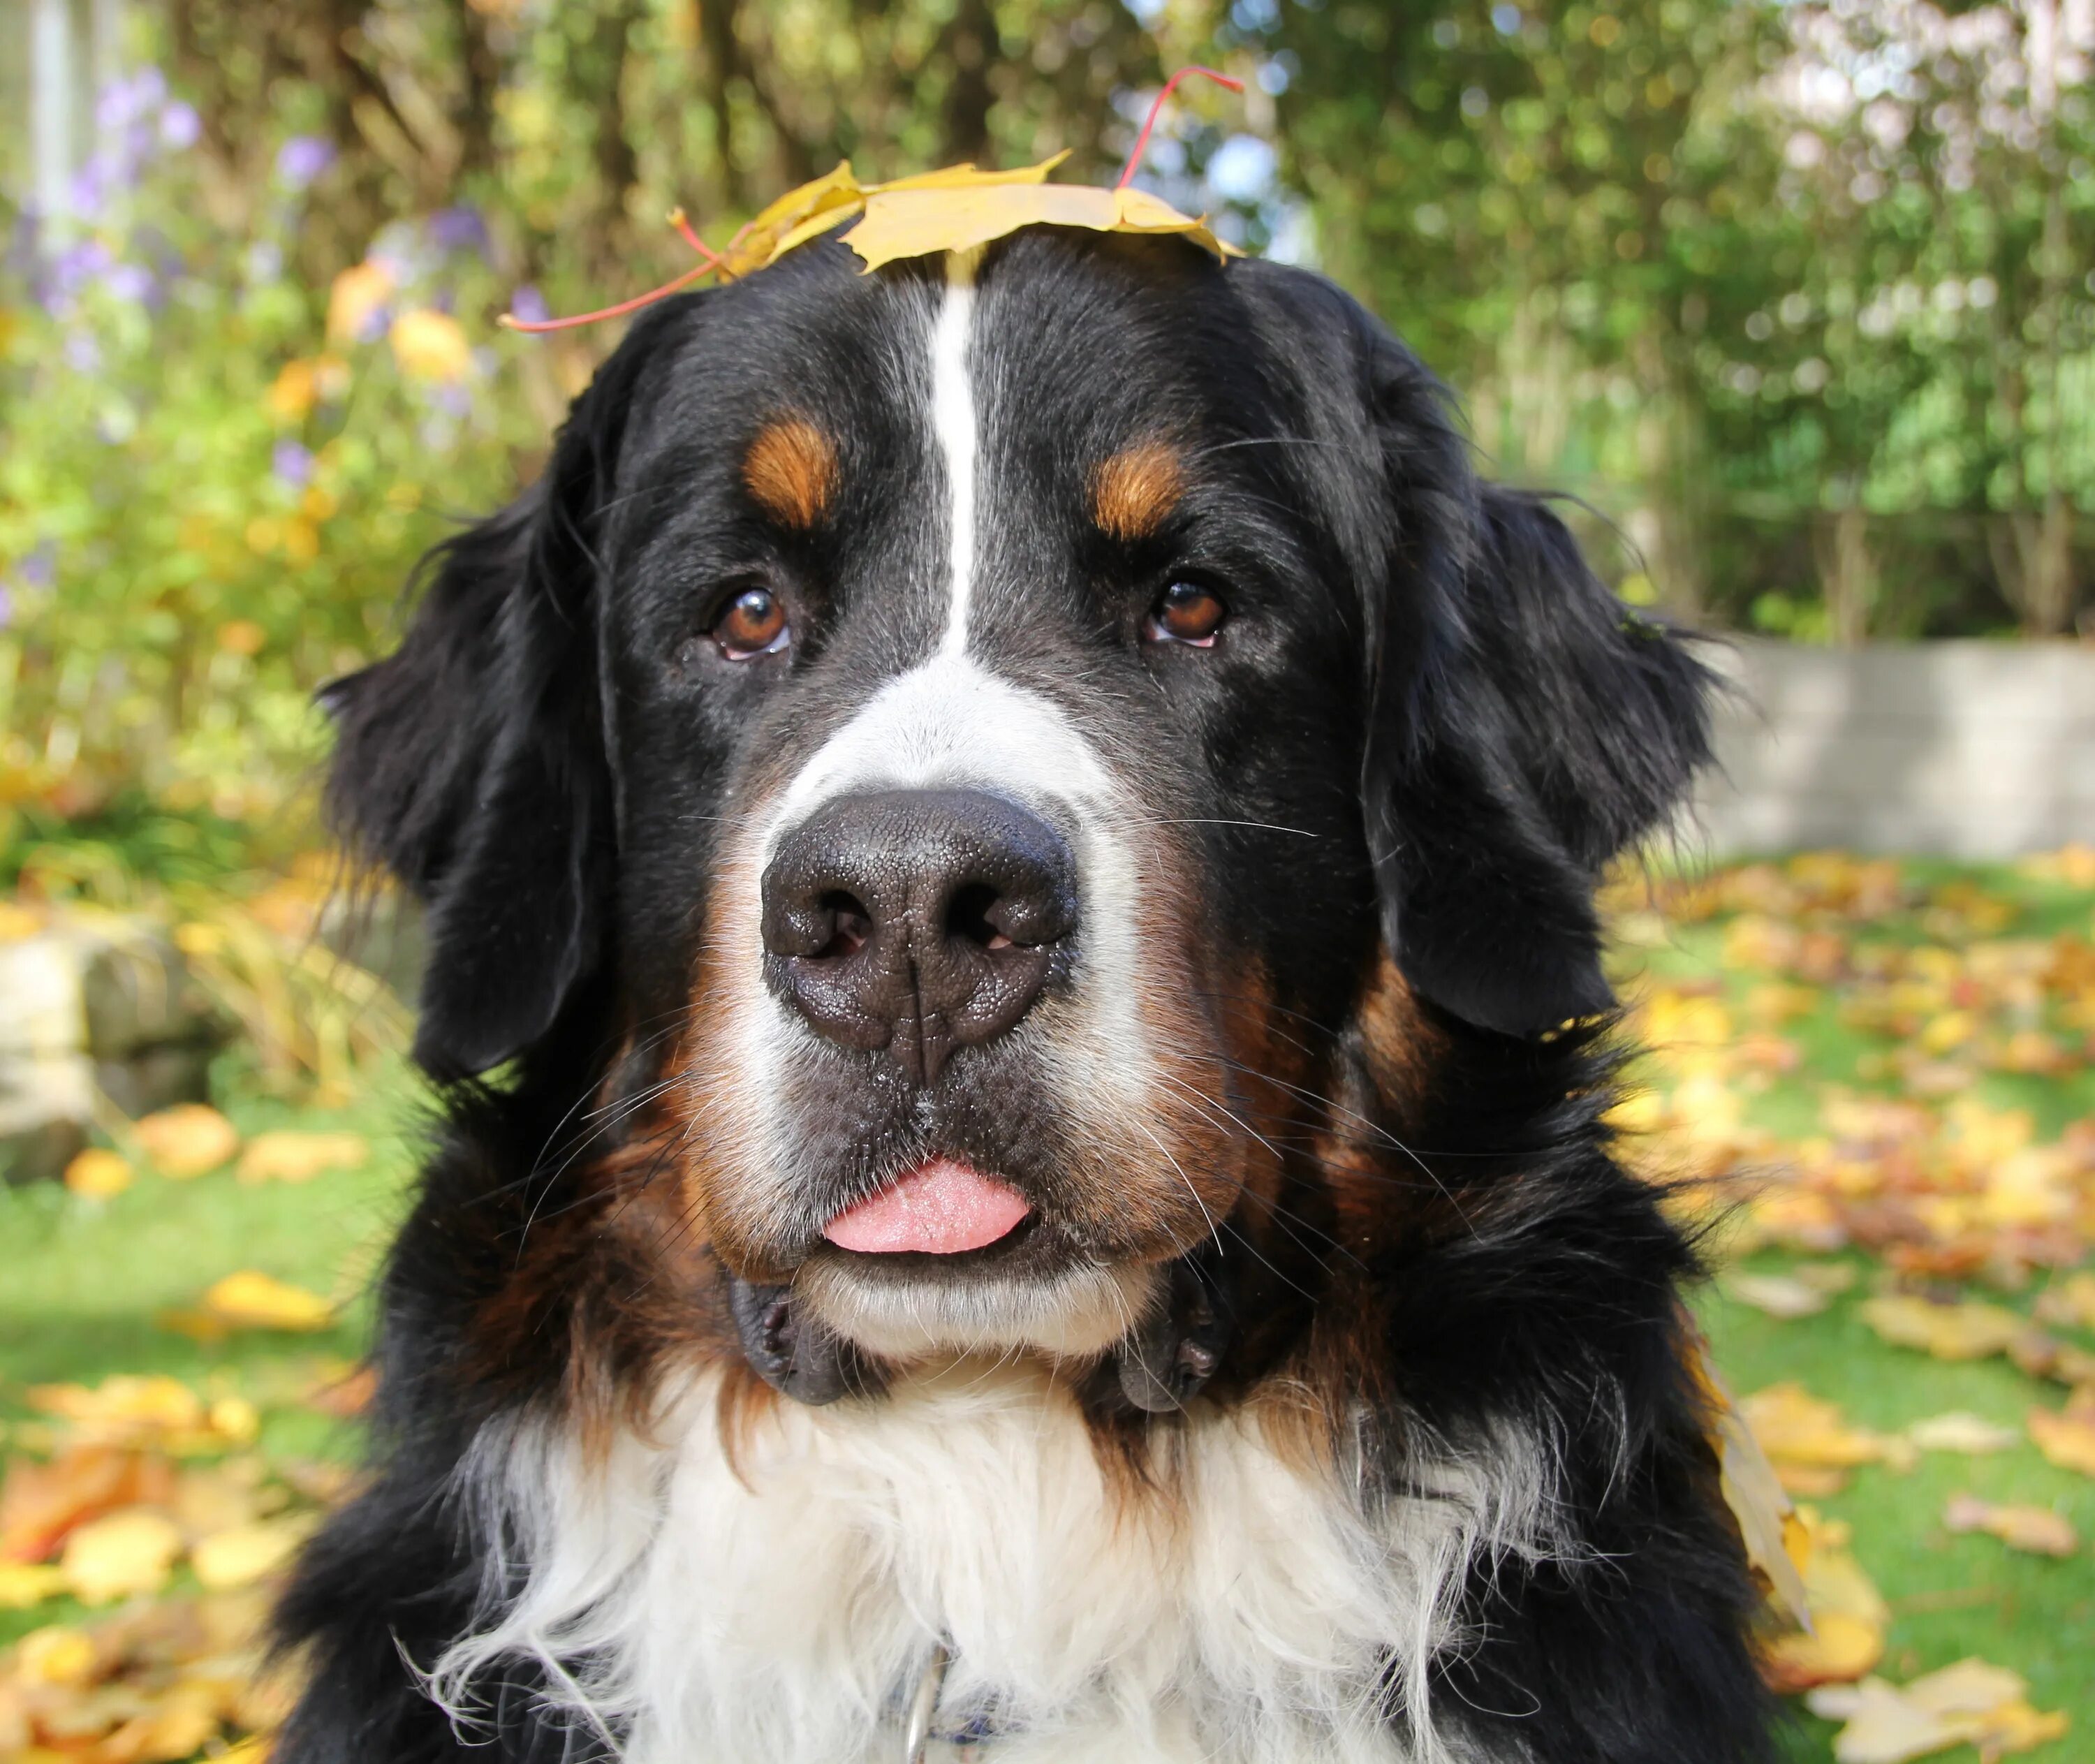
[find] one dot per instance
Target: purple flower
(92, 185)
(6, 607)
(180, 126)
(303, 159)
(82, 355)
(131, 283)
(125, 100)
(40, 568)
(458, 229)
(529, 305)
(292, 464)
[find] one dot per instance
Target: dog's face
(973, 735)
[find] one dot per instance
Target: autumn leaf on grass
(1967, 1330)
(42, 1502)
(1849, 1616)
(1810, 1446)
(98, 1172)
(247, 1553)
(2037, 1530)
(2067, 1436)
(133, 1410)
(1780, 1295)
(289, 1157)
(1970, 1703)
(2070, 1304)
(127, 1553)
(1960, 1431)
(187, 1140)
(1777, 1546)
(24, 1584)
(251, 1300)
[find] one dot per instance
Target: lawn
(1789, 1004)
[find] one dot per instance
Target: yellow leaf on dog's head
(915, 223)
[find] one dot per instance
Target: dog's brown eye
(754, 624)
(1188, 613)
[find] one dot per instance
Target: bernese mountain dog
(1009, 846)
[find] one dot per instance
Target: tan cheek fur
(791, 469)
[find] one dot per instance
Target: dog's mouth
(944, 1207)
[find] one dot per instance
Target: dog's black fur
(1425, 675)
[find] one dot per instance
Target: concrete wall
(1968, 749)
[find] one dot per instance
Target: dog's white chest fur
(784, 1607)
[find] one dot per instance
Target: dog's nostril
(970, 918)
(852, 925)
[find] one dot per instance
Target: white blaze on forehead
(953, 425)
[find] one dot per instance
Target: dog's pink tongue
(939, 1209)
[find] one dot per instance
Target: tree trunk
(972, 42)
(1847, 573)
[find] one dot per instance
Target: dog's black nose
(917, 920)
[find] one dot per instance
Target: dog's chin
(919, 1312)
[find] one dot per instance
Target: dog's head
(977, 737)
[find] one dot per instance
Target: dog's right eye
(754, 624)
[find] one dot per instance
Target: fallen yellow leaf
(2037, 1530)
(2067, 1437)
(57, 1655)
(129, 1553)
(187, 1139)
(251, 1299)
(1780, 1295)
(1840, 1647)
(98, 1172)
(1960, 1431)
(1969, 1330)
(24, 1584)
(288, 1156)
(246, 1554)
(1849, 1616)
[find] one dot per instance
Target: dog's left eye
(1187, 612)
(754, 624)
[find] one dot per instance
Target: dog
(1010, 848)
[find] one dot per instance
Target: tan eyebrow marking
(791, 469)
(1134, 492)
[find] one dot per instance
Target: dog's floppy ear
(471, 761)
(1526, 726)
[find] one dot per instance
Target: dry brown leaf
(251, 1300)
(288, 1156)
(188, 1140)
(125, 1554)
(1968, 1330)
(2037, 1530)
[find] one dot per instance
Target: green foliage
(1794, 293)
